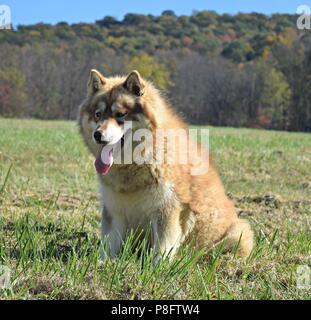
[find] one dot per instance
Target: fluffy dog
(178, 205)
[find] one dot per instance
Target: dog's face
(109, 104)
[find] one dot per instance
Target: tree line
(248, 70)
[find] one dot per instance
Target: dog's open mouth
(104, 158)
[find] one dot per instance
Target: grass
(49, 221)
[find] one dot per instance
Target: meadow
(49, 221)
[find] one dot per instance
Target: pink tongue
(102, 167)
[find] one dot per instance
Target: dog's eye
(98, 114)
(121, 115)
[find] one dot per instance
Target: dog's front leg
(167, 234)
(113, 230)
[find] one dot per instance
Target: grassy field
(49, 221)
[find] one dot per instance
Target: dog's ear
(133, 84)
(96, 82)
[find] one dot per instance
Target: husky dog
(178, 205)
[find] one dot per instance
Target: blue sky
(33, 11)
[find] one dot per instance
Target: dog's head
(110, 103)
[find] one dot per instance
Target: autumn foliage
(229, 70)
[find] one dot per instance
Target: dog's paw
(156, 261)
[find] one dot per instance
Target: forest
(243, 70)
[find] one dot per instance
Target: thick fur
(179, 206)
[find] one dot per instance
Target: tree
(107, 22)
(275, 98)
(151, 69)
(204, 18)
(12, 92)
(294, 62)
(135, 19)
(169, 13)
(236, 50)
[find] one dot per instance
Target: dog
(178, 206)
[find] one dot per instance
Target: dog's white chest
(136, 208)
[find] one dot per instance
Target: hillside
(240, 70)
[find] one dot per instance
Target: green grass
(49, 221)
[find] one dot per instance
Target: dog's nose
(98, 136)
